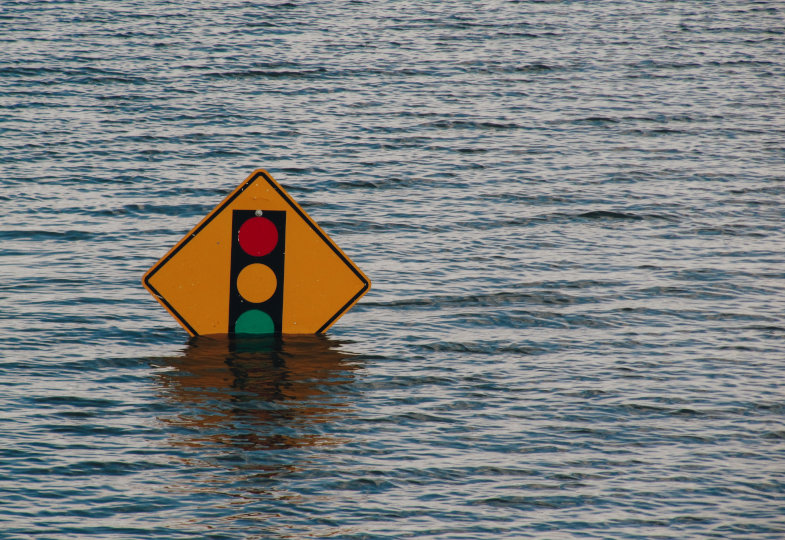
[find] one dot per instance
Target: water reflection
(262, 394)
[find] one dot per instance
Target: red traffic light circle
(258, 236)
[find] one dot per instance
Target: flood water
(571, 214)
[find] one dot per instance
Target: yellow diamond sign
(256, 264)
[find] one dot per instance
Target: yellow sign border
(255, 175)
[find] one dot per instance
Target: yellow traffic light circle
(256, 282)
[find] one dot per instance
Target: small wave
(27, 71)
(64, 235)
(533, 503)
(654, 132)
(269, 74)
(492, 299)
(656, 64)
(381, 183)
(595, 120)
(534, 68)
(609, 214)
(485, 348)
(470, 124)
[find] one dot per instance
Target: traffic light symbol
(256, 271)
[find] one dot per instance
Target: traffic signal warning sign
(256, 274)
(257, 264)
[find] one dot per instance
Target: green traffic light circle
(254, 321)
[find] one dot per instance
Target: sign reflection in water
(253, 394)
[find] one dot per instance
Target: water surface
(571, 214)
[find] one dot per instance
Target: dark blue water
(571, 213)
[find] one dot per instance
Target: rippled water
(571, 214)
